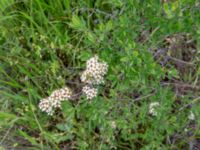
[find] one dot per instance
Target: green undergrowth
(44, 46)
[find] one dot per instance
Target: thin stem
(192, 102)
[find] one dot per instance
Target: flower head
(61, 94)
(46, 106)
(93, 75)
(90, 92)
(94, 72)
(54, 100)
(152, 108)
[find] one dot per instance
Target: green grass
(44, 46)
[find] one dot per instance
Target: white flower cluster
(152, 108)
(90, 92)
(46, 106)
(54, 100)
(94, 72)
(93, 75)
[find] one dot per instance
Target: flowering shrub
(92, 76)
(152, 49)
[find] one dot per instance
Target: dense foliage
(151, 48)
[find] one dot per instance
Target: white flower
(54, 100)
(92, 62)
(113, 124)
(61, 94)
(94, 72)
(90, 92)
(46, 106)
(191, 116)
(152, 108)
(87, 77)
(93, 75)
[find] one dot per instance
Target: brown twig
(179, 84)
(76, 96)
(192, 102)
(140, 98)
(143, 97)
(180, 61)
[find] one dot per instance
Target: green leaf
(62, 126)
(4, 115)
(31, 139)
(78, 23)
(135, 54)
(91, 37)
(124, 59)
(85, 55)
(173, 73)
